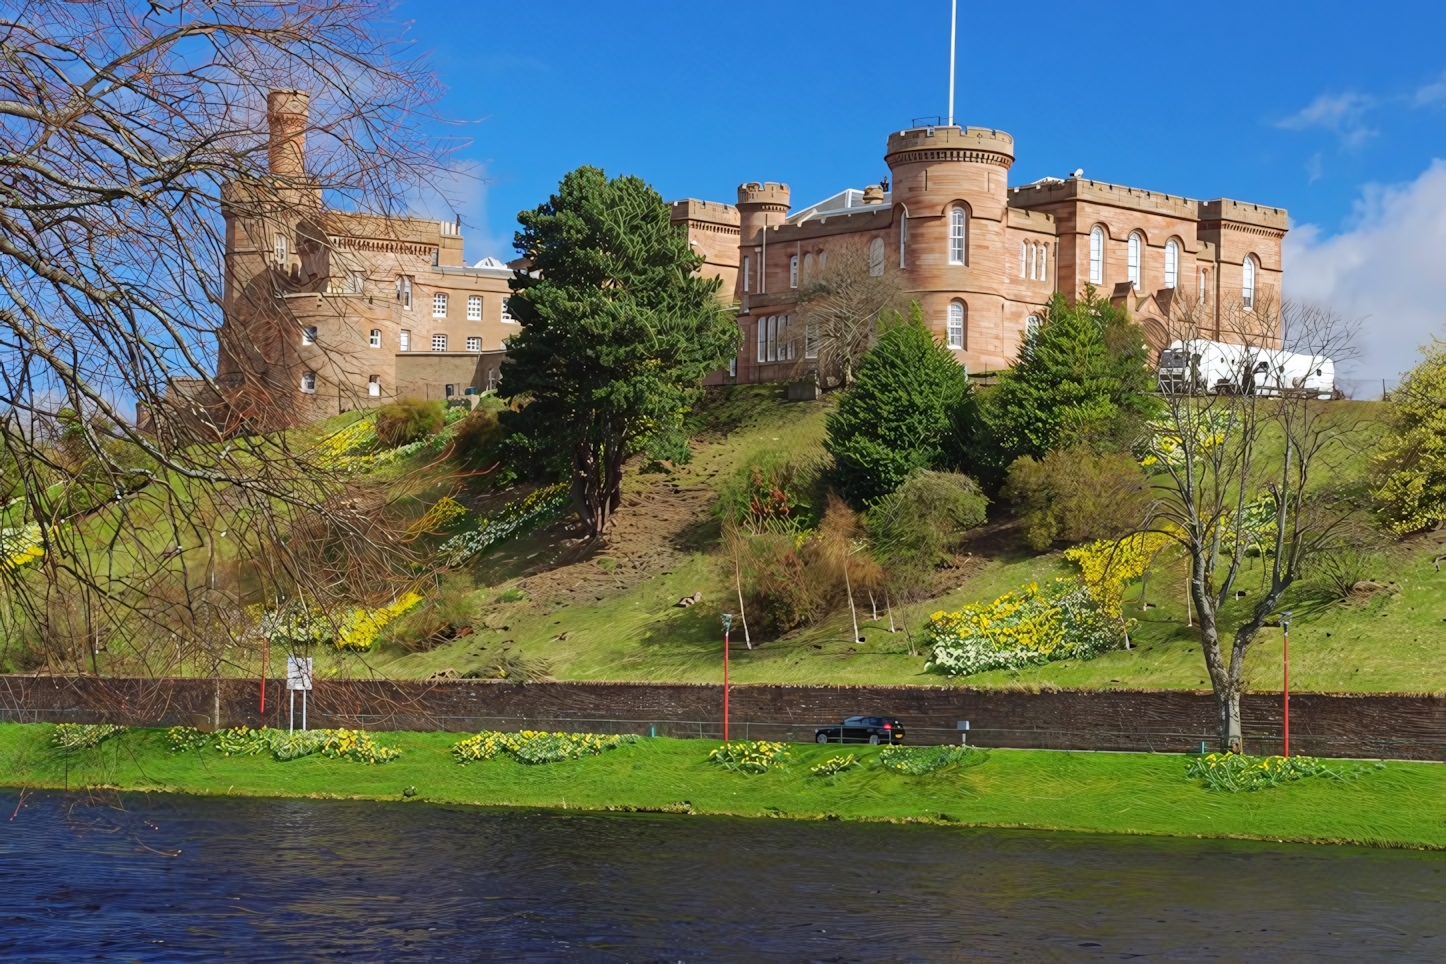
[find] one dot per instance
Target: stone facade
(327, 311)
(986, 256)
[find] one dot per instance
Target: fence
(1400, 726)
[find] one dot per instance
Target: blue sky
(1335, 111)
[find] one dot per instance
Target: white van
(1277, 372)
(1201, 367)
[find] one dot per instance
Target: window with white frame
(1043, 261)
(1247, 283)
(474, 343)
(308, 335)
(808, 267)
(1097, 256)
(374, 386)
(748, 276)
(773, 338)
(1133, 257)
(1024, 270)
(439, 305)
(903, 235)
(1031, 326)
(404, 291)
(439, 343)
(507, 318)
(308, 381)
(956, 324)
(375, 338)
(733, 367)
(474, 307)
(1172, 263)
(404, 342)
(763, 339)
(786, 351)
(279, 249)
(876, 257)
(822, 261)
(356, 282)
(810, 339)
(958, 234)
(793, 271)
(436, 257)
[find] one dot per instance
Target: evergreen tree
(619, 333)
(900, 415)
(1083, 378)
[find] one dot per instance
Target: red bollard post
(727, 624)
(1285, 636)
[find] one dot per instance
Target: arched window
(903, 235)
(1097, 256)
(822, 262)
(808, 266)
(956, 324)
(793, 271)
(1043, 259)
(1204, 284)
(958, 235)
(1172, 263)
(1134, 256)
(1024, 271)
(876, 257)
(747, 279)
(308, 381)
(1247, 283)
(375, 338)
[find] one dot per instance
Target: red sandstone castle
(983, 258)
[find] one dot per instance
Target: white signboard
(298, 673)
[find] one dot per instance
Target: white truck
(1203, 367)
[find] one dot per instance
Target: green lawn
(1401, 804)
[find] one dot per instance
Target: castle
(326, 311)
(983, 258)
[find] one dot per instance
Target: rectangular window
(451, 390)
(1023, 258)
(278, 248)
(793, 271)
(810, 339)
(356, 282)
(308, 381)
(474, 307)
(1043, 261)
(773, 338)
(507, 318)
(374, 386)
(439, 305)
(474, 343)
(405, 342)
(747, 279)
(763, 339)
(375, 338)
(439, 343)
(308, 335)
(404, 291)
(733, 367)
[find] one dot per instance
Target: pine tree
(619, 333)
(900, 415)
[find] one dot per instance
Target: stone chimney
(286, 120)
(874, 194)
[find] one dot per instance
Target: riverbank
(1398, 805)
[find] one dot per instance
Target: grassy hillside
(1397, 804)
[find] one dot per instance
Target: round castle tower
(760, 206)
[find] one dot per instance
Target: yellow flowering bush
(758, 756)
(335, 450)
(1235, 772)
(916, 761)
(355, 628)
(445, 512)
(358, 628)
(83, 736)
(537, 746)
(342, 744)
(183, 738)
(835, 765)
(1207, 427)
(20, 545)
(1023, 627)
(1106, 565)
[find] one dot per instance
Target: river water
(171, 878)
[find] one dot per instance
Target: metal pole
(303, 711)
(1285, 635)
(291, 715)
(725, 686)
(953, 33)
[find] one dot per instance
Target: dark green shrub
(1077, 495)
(478, 437)
(900, 415)
(407, 420)
(771, 494)
(913, 528)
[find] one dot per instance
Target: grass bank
(1400, 805)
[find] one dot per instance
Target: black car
(862, 729)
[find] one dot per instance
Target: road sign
(298, 673)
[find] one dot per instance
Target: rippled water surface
(189, 879)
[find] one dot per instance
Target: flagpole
(953, 33)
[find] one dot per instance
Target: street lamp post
(1285, 636)
(727, 625)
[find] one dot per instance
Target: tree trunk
(1228, 703)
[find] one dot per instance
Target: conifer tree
(900, 415)
(619, 333)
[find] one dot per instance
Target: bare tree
(1245, 458)
(128, 126)
(839, 311)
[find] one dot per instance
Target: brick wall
(1384, 725)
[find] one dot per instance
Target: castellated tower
(760, 207)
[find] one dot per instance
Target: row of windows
(374, 339)
(778, 342)
(374, 384)
(1134, 266)
(440, 300)
(1033, 261)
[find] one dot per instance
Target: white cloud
(463, 191)
(1385, 269)
(1430, 94)
(1342, 113)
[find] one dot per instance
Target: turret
(760, 206)
(935, 165)
(286, 121)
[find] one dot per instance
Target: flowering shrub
(336, 450)
(1166, 441)
(514, 518)
(353, 745)
(1106, 565)
(1023, 627)
(918, 760)
(835, 765)
(20, 545)
(750, 757)
(184, 738)
(535, 746)
(358, 628)
(445, 512)
(1235, 772)
(83, 736)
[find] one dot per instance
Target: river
(173, 878)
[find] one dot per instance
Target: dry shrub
(407, 420)
(1077, 495)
